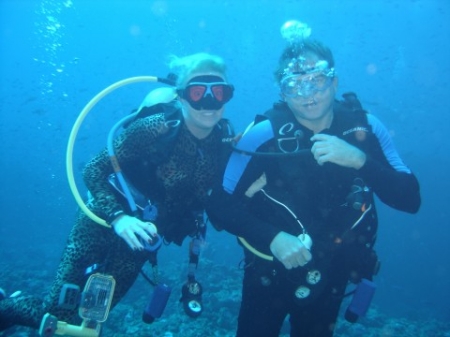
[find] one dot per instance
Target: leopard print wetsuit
(183, 177)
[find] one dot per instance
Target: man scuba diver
(299, 195)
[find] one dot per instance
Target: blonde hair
(200, 62)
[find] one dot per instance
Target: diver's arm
(134, 143)
(131, 145)
(228, 204)
(230, 212)
(390, 178)
(399, 190)
(95, 177)
(382, 167)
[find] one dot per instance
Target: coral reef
(221, 297)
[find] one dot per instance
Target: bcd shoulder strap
(280, 114)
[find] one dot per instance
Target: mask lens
(289, 87)
(320, 81)
(195, 92)
(218, 92)
(305, 85)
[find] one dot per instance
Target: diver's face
(201, 118)
(314, 109)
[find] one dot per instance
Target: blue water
(56, 55)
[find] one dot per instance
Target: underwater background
(55, 56)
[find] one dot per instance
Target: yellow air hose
(254, 250)
(73, 135)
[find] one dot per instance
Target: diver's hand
(332, 149)
(289, 250)
(130, 229)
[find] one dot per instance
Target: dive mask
(207, 92)
(306, 82)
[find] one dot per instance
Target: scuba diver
(169, 155)
(298, 192)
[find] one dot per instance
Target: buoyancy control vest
(292, 137)
(330, 199)
(333, 203)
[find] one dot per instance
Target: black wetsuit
(334, 204)
(172, 168)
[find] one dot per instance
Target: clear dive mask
(305, 83)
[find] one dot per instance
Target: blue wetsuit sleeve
(392, 181)
(227, 206)
(239, 161)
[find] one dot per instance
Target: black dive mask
(207, 92)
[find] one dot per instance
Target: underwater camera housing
(94, 306)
